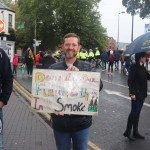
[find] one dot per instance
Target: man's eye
(67, 44)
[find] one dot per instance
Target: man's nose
(70, 47)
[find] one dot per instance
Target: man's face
(71, 47)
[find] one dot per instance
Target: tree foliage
(59, 17)
(138, 6)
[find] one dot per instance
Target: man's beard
(70, 57)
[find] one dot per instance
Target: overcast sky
(109, 10)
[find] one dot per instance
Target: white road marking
(120, 85)
(121, 95)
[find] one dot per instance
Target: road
(108, 127)
(114, 107)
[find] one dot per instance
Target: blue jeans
(79, 139)
(103, 64)
(1, 129)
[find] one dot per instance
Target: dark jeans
(136, 106)
(29, 68)
(117, 64)
(103, 64)
(14, 69)
(133, 118)
(110, 65)
(122, 67)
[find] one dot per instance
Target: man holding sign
(71, 127)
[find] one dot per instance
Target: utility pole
(35, 37)
(118, 29)
(132, 28)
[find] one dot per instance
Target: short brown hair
(71, 35)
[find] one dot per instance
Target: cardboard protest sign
(70, 92)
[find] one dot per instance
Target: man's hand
(133, 97)
(1, 104)
(72, 68)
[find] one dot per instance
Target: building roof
(4, 7)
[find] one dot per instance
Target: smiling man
(75, 128)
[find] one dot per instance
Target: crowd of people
(42, 60)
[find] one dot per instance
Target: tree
(138, 6)
(61, 17)
(82, 18)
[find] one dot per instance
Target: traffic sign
(2, 26)
(38, 43)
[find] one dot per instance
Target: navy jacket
(6, 77)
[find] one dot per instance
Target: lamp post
(35, 37)
(35, 41)
(132, 28)
(118, 29)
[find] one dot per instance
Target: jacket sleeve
(131, 80)
(6, 78)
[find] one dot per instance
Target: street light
(35, 37)
(118, 29)
(132, 27)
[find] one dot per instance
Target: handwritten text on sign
(65, 91)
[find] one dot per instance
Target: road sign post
(2, 26)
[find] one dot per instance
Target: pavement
(24, 129)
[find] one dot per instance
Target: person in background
(42, 53)
(48, 60)
(30, 60)
(75, 128)
(122, 57)
(37, 60)
(133, 59)
(90, 55)
(97, 56)
(148, 60)
(111, 60)
(104, 58)
(117, 56)
(127, 65)
(83, 55)
(62, 56)
(15, 64)
(6, 85)
(137, 82)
